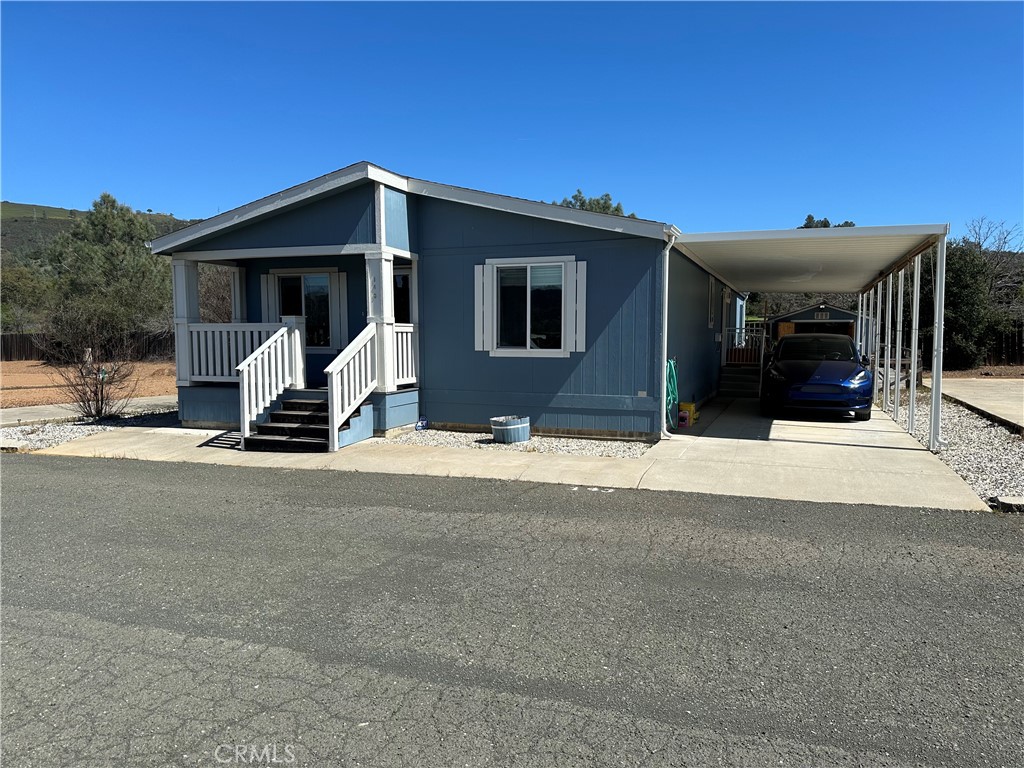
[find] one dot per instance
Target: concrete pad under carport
(807, 457)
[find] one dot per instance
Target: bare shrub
(94, 364)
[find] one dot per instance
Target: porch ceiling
(836, 260)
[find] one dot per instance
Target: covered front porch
(332, 330)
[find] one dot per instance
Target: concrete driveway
(1003, 398)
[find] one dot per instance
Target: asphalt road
(158, 614)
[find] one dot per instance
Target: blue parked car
(819, 371)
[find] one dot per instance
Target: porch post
(185, 293)
(380, 300)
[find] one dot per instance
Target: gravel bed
(618, 449)
(37, 436)
(989, 457)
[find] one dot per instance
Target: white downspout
(665, 254)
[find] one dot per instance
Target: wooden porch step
(319, 431)
(300, 417)
(304, 405)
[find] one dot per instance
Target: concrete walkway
(40, 414)
(1002, 398)
(732, 451)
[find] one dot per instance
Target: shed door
(785, 328)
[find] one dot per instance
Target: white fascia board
(819, 233)
(281, 252)
(538, 210)
(387, 178)
(291, 196)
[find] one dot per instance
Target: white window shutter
(489, 317)
(579, 288)
(478, 308)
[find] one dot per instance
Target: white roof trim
(270, 203)
(549, 211)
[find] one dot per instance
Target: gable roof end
(358, 172)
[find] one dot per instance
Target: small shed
(816, 318)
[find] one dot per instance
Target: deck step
(304, 405)
(319, 431)
(285, 443)
(300, 417)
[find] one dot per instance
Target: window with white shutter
(531, 307)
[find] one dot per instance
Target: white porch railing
(277, 364)
(217, 349)
(351, 377)
(406, 362)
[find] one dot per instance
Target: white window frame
(574, 306)
(337, 300)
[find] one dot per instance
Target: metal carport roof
(835, 260)
(872, 262)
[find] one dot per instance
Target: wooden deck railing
(351, 377)
(277, 364)
(406, 361)
(216, 350)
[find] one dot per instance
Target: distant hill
(26, 228)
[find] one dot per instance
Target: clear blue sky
(709, 116)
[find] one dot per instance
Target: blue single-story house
(424, 300)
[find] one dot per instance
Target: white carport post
(887, 395)
(869, 332)
(914, 318)
(899, 347)
(878, 338)
(935, 442)
(860, 322)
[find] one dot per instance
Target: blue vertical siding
(344, 218)
(698, 355)
(613, 386)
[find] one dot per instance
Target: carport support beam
(914, 319)
(877, 332)
(899, 347)
(935, 442)
(887, 396)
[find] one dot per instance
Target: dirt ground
(30, 382)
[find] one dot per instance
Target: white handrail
(264, 375)
(351, 377)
